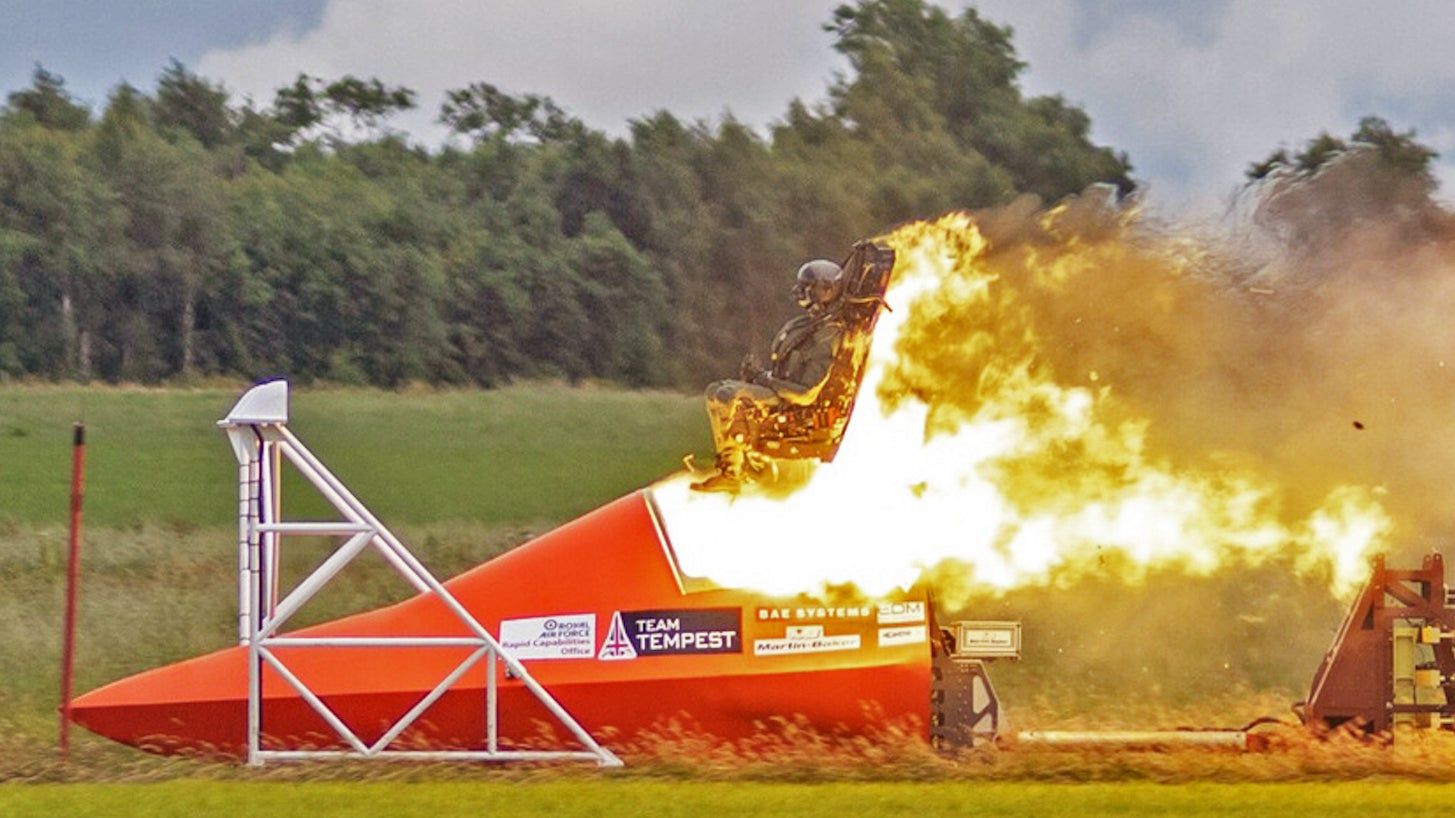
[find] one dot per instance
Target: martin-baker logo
(805, 639)
(668, 632)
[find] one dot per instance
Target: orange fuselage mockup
(600, 615)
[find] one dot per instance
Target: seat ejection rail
(257, 428)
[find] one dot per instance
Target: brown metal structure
(964, 710)
(1393, 660)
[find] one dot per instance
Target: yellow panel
(1403, 669)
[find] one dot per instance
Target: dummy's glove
(750, 368)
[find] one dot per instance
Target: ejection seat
(815, 430)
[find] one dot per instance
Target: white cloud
(1193, 111)
(604, 61)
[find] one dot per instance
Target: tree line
(179, 232)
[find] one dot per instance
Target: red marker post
(73, 566)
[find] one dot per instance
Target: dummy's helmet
(819, 282)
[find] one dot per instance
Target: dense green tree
(311, 102)
(49, 103)
(918, 72)
(1400, 153)
(173, 242)
(483, 111)
(193, 105)
(56, 225)
(626, 302)
(181, 233)
(1331, 185)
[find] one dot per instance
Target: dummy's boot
(729, 475)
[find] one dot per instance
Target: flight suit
(803, 352)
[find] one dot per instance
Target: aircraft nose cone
(196, 699)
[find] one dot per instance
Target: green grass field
(514, 455)
(667, 799)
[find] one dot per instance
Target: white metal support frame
(257, 428)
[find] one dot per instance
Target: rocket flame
(973, 456)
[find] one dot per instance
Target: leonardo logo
(617, 645)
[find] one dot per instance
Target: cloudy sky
(1192, 90)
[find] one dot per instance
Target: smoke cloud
(1310, 339)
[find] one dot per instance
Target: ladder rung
(314, 529)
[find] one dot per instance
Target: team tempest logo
(667, 632)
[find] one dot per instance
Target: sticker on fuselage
(673, 633)
(616, 646)
(901, 613)
(801, 639)
(902, 635)
(564, 636)
(800, 613)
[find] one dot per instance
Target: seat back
(816, 430)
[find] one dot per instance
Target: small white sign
(791, 645)
(900, 613)
(988, 639)
(902, 635)
(565, 636)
